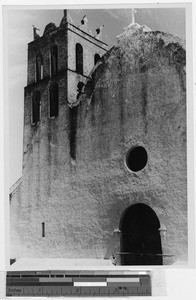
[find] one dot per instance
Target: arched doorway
(140, 237)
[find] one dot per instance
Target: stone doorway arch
(140, 236)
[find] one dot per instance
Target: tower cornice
(69, 26)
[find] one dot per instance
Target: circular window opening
(136, 158)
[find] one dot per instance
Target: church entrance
(140, 237)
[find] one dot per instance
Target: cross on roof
(133, 12)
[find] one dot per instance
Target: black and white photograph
(97, 135)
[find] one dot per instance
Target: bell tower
(59, 62)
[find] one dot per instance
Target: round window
(136, 158)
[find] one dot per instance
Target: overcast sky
(19, 33)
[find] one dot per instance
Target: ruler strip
(121, 279)
(100, 279)
(34, 279)
(67, 279)
(78, 283)
(136, 284)
(86, 283)
(39, 283)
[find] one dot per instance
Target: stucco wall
(139, 99)
(43, 46)
(136, 97)
(90, 46)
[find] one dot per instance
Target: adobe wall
(136, 97)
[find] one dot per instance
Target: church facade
(104, 150)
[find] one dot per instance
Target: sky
(19, 32)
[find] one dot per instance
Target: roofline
(15, 185)
(92, 42)
(66, 28)
(87, 34)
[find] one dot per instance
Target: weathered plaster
(74, 174)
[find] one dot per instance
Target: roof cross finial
(133, 12)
